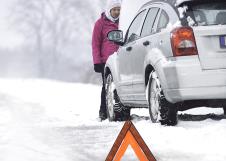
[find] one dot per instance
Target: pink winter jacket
(102, 48)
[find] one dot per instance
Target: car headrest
(221, 18)
(200, 16)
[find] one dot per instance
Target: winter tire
(115, 109)
(160, 109)
(224, 108)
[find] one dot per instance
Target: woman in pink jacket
(102, 48)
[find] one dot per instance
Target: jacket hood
(104, 17)
(110, 5)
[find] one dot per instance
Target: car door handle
(129, 48)
(146, 43)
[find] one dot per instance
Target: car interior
(200, 17)
(221, 18)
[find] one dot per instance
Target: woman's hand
(99, 68)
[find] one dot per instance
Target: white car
(173, 58)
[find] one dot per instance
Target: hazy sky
(8, 36)
(129, 10)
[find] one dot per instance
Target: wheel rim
(110, 97)
(155, 96)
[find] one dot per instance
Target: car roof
(173, 3)
(178, 3)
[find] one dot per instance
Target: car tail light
(183, 42)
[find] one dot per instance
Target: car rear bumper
(183, 79)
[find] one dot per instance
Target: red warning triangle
(130, 136)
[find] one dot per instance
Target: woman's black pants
(102, 110)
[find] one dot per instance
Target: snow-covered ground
(43, 120)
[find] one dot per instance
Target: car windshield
(205, 14)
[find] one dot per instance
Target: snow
(178, 2)
(44, 120)
(191, 22)
(182, 11)
(171, 26)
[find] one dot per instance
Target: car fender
(156, 59)
(112, 65)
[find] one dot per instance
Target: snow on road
(43, 120)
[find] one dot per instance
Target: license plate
(223, 41)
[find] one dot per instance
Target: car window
(208, 13)
(149, 21)
(134, 30)
(163, 21)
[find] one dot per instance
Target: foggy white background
(52, 38)
(48, 39)
(9, 38)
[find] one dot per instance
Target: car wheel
(160, 109)
(224, 108)
(115, 109)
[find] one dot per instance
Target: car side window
(163, 21)
(134, 30)
(149, 21)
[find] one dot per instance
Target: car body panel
(211, 54)
(193, 83)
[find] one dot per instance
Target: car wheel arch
(148, 70)
(111, 67)
(150, 61)
(107, 72)
(110, 70)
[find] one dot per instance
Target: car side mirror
(116, 36)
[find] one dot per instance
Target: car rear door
(139, 53)
(154, 44)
